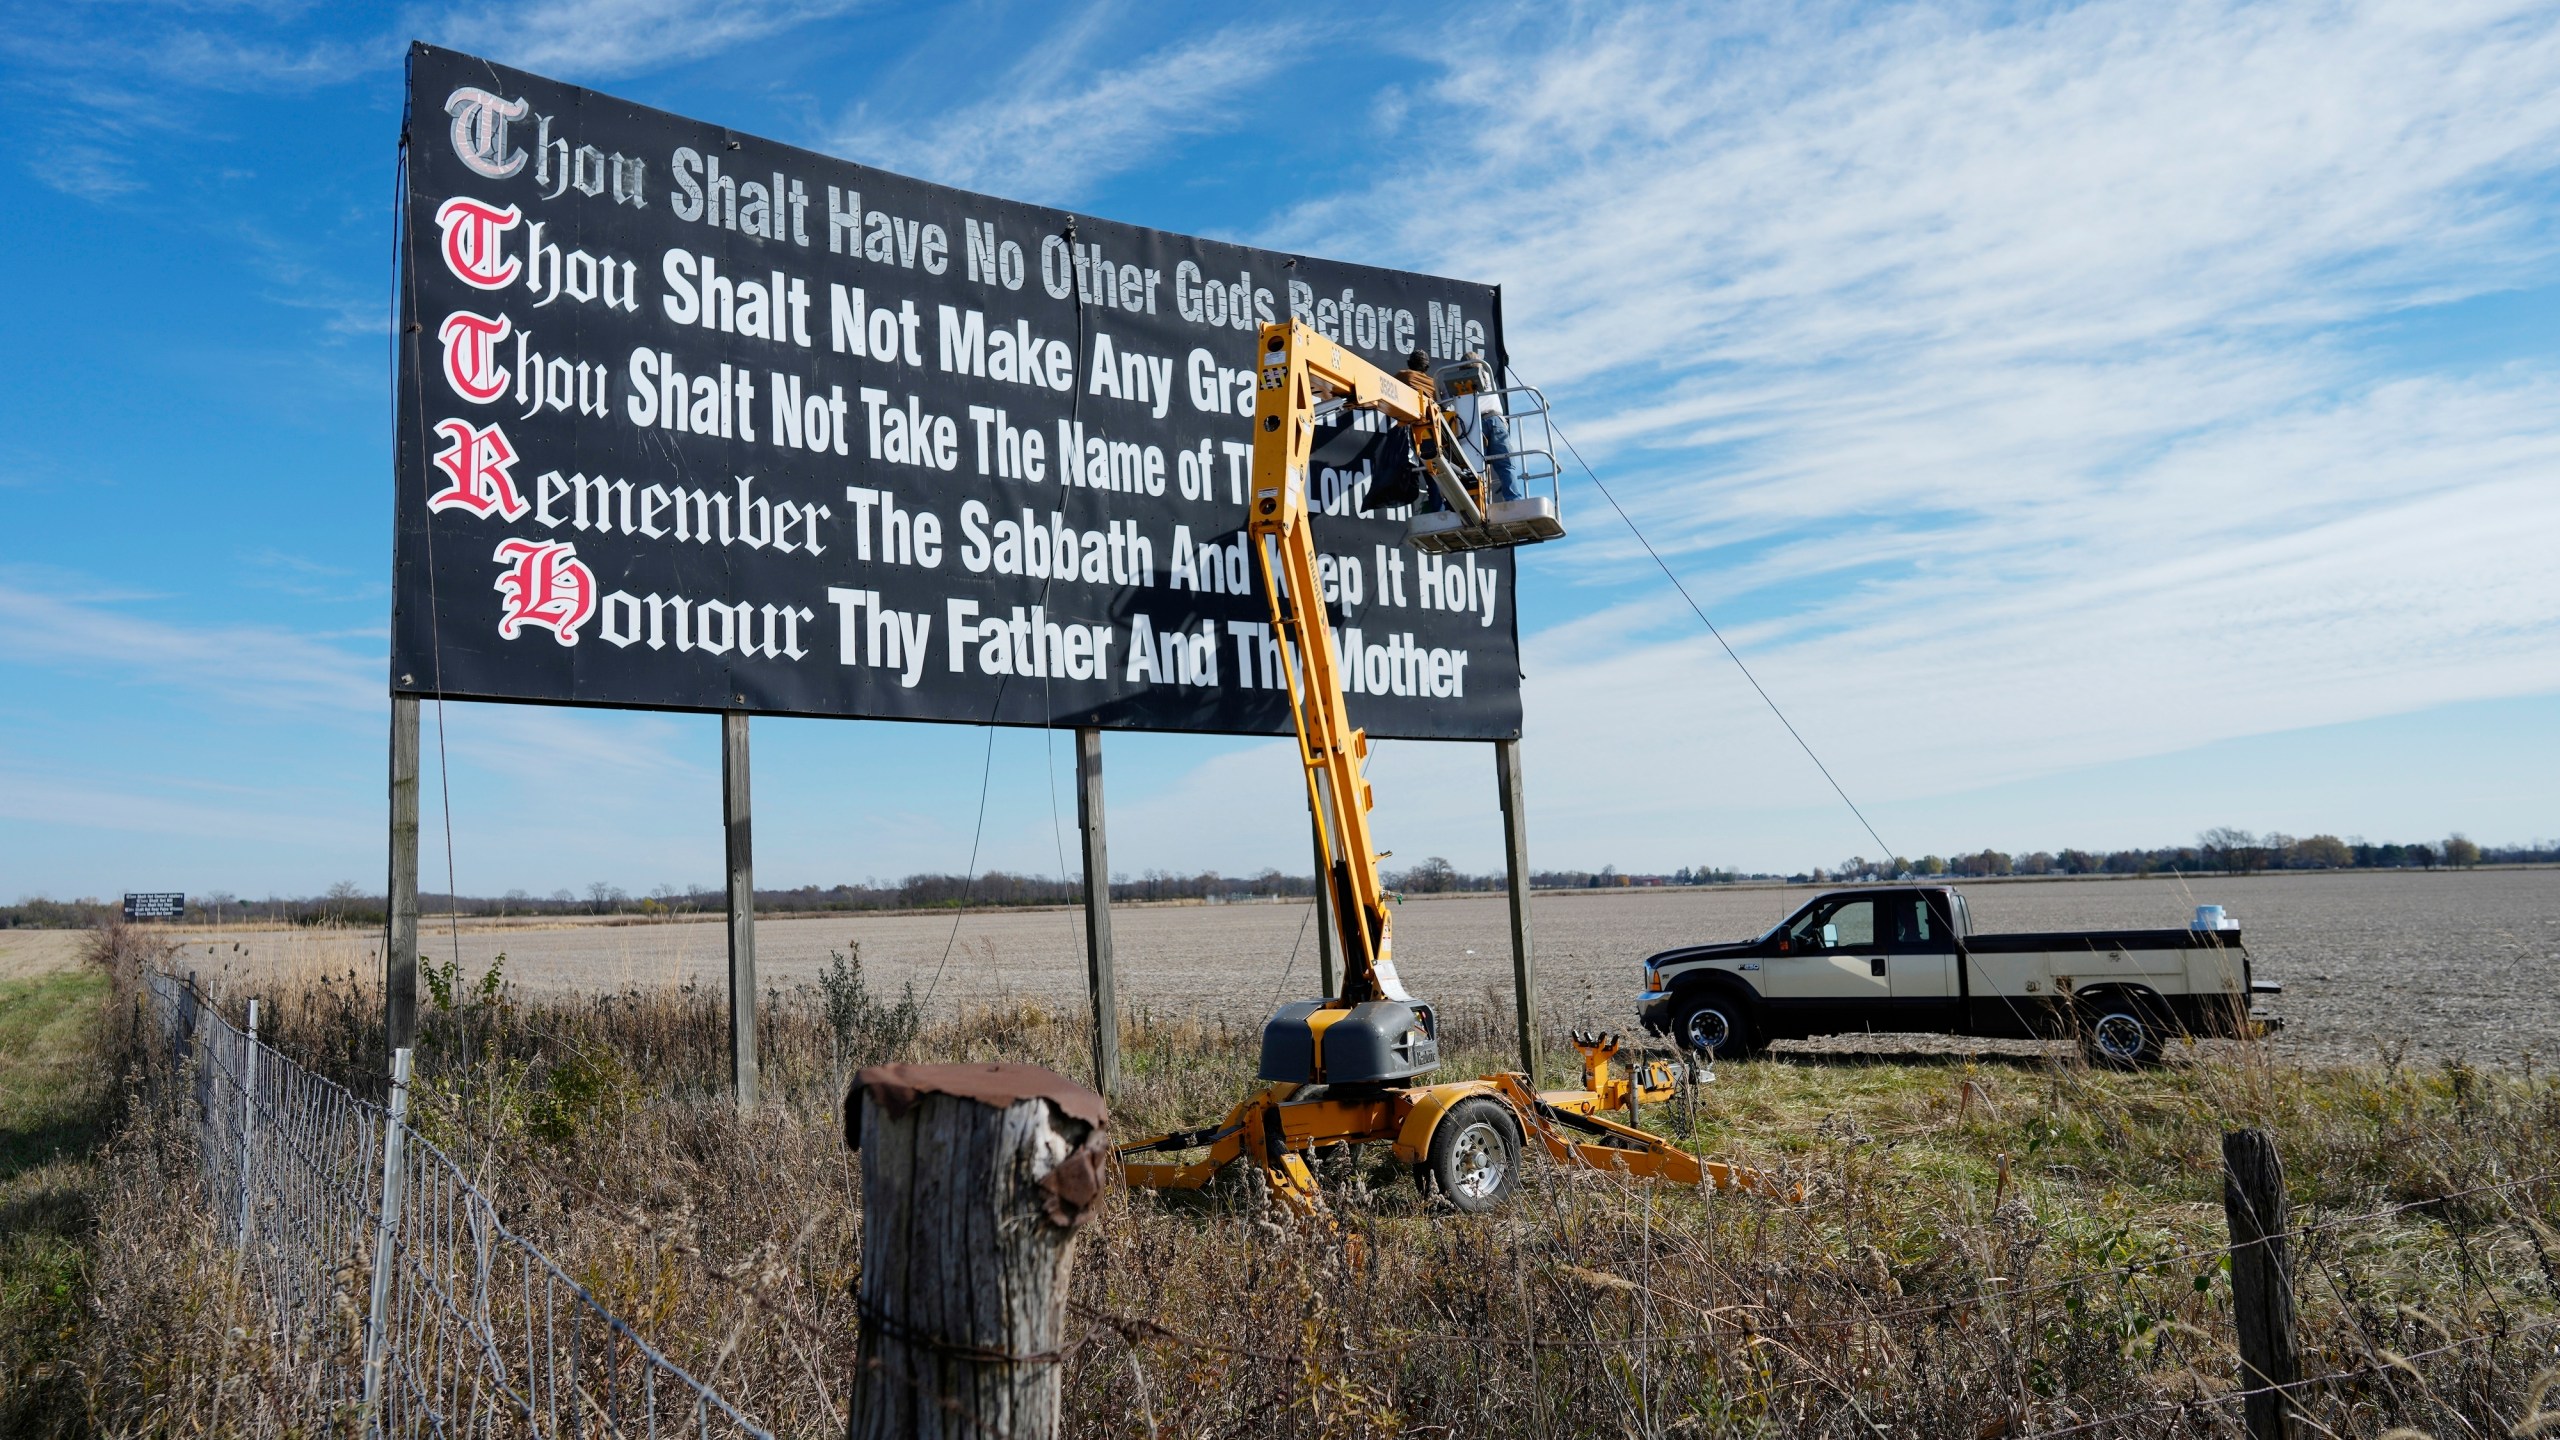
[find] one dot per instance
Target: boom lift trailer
(1347, 1069)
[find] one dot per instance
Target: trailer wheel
(1714, 1026)
(1475, 1154)
(2120, 1033)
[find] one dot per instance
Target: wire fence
(390, 1289)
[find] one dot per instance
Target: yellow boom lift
(1348, 1069)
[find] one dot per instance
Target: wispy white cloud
(57, 627)
(62, 623)
(166, 806)
(1059, 122)
(2005, 369)
(141, 73)
(593, 38)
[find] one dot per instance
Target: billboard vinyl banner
(693, 420)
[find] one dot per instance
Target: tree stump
(974, 1180)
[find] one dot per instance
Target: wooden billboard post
(737, 817)
(400, 930)
(1324, 921)
(1515, 855)
(1100, 983)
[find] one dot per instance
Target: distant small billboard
(155, 905)
(692, 420)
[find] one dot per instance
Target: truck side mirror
(1830, 937)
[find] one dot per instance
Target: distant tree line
(2223, 849)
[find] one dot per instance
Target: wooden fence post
(974, 1179)
(2254, 1203)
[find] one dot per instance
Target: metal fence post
(248, 1116)
(378, 1312)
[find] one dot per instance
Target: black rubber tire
(1475, 1155)
(2121, 1032)
(1705, 1015)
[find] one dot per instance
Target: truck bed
(2054, 941)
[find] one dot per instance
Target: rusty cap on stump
(1073, 1185)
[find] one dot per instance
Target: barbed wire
(2129, 1268)
(2390, 1361)
(1129, 1325)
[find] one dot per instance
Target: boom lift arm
(1302, 373)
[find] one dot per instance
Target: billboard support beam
(737, 821)
(1515, 854)
(1100, 981)
(400, 929)
(1324, 921)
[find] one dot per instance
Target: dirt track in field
(2452, 963)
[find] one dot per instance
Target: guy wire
(1075, 407)
(1695, 609)
(400, 259)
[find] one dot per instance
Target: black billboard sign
(693, 420)
(154, 905)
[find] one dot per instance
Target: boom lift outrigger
(1346, 1069)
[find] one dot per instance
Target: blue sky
(2094, 423)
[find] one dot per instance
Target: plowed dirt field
(2449, 963)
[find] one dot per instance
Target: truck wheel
(1714, 1026)
(2120, 1033)
(1475, 1154)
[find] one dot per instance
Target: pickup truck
(1907, 958)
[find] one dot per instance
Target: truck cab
(1907, 958)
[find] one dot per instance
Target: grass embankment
(1990, 1246)
(55, 1109)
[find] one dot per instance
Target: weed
(866, 1030)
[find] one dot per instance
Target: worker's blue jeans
(1494, 436)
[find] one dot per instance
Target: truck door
(1922, 965)
(1830, 971)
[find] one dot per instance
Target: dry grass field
(2447, 963)
(2005, 1247)
(27, 954)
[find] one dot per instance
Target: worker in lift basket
(1482, 425)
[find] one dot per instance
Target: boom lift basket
(1534, 511)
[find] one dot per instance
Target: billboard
(155, 905)
(693, 420)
